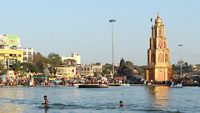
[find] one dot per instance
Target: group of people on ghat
(46, 105)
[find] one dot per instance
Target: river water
(137, 99)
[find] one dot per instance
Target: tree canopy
(55, 61)
(39, 61)
(107, 68)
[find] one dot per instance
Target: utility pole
(112, 21)
(181, 62)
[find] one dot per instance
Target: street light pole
(181, 63)
(112, 21)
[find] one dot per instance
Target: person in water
(121, 104)
(45, 102)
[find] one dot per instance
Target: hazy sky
(66, 26)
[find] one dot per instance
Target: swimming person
(45, 102)
(121, 104)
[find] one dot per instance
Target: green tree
(2, 69)
(39, 61)
(25, 67)
(186, 68)
(28, 67)
(141, 70)
(16, 66)
(107, 68)
(98, 63)
(175, 69)
(54, 61)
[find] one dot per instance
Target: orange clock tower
(158, 67)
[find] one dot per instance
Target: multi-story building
(89, 70)
(74, 56)
(158, 68)
(27, 54)
(68, 71)
(9, 54)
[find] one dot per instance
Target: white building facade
(27, 54)
(89, 70)
(74, 56)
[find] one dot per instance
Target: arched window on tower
(160, 57)
(164, 44)
(153, 58)
(154, 44)
(166, 58)
(160, 44)
(156, 32)
(159, 32)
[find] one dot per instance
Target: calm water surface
(137, 99)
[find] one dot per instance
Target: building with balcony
(89, 70)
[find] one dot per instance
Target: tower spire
(158, 14)
(158, 67)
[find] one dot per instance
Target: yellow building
(158, 67)
(66, 71)
(8, 50)
(10, 56)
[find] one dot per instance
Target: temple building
(158, 67)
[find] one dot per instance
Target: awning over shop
(57, 81)
(52, 78)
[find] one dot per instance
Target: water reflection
(11, 108)
(159, 95)
(7, 97)
(45, 110)
(12, 93)
(159, 99)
